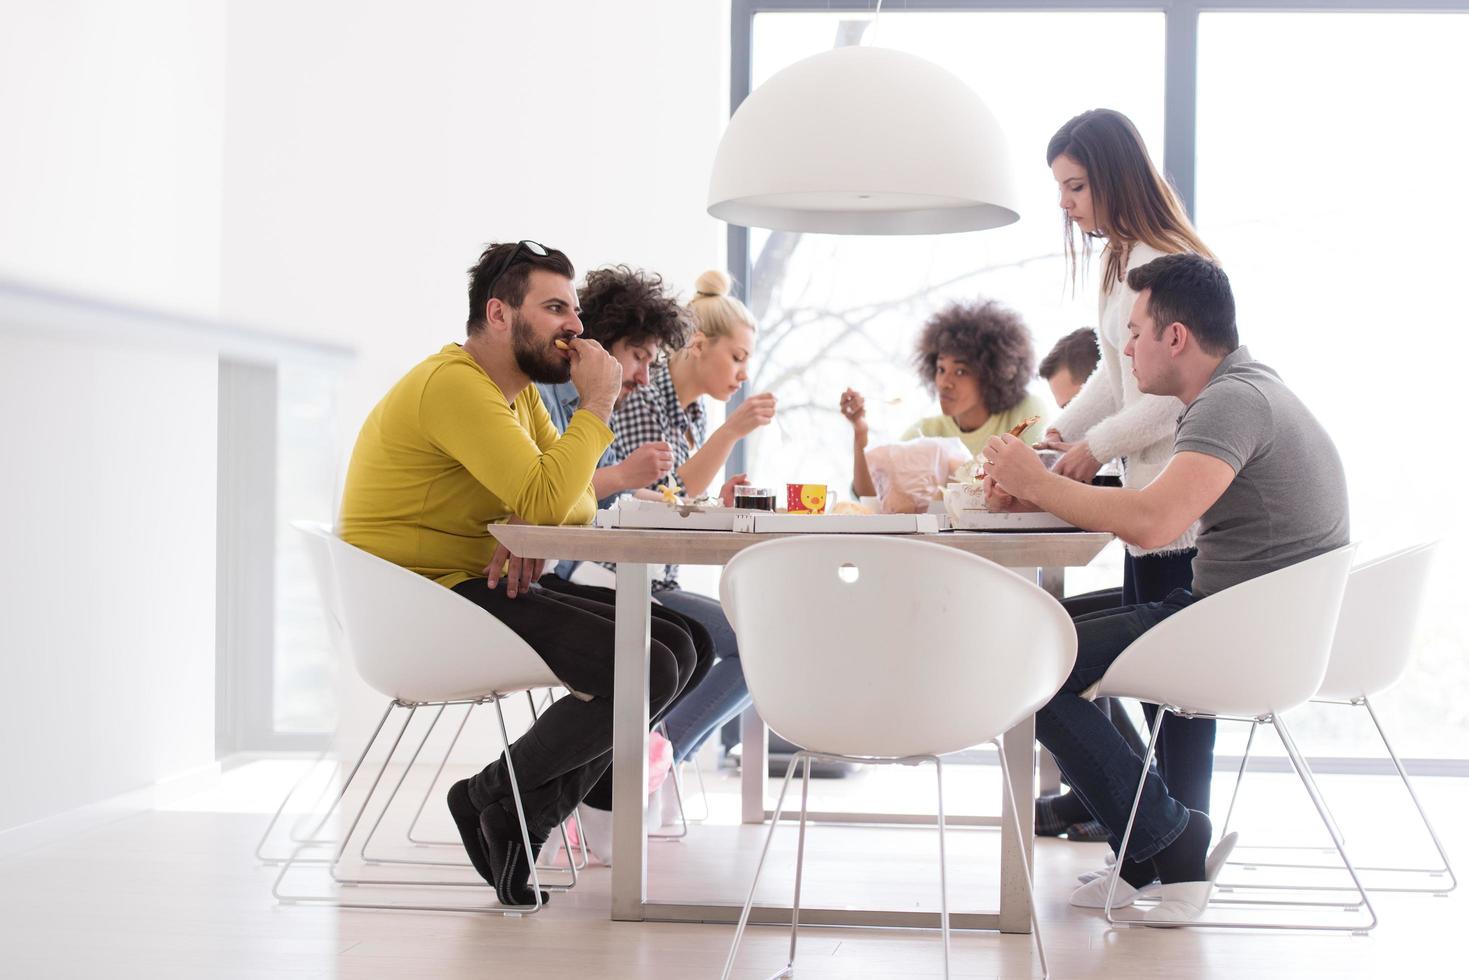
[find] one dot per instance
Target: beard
(543, 365)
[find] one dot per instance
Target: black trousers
(1186, 747)
(568, 751)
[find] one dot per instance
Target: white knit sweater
(1116, 420)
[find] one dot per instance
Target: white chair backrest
(1258, 647)
(314, 538)
(926, 650)
(1379, 617)
(412, 639)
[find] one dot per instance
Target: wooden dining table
(1043, 557)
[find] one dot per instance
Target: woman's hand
(753, 412)
(1078, 463)
(854, 410)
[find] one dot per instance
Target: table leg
(754, 763)
(630, 742)
(1048, 783)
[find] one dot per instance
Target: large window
(839, 311)
(1321, 148)
(1328, 182)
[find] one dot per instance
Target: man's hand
(726, 492)
(646, 465)
(999, 501)
(597, 376)
(521, 572)
(755, 411)
(1077, 463)
(854, 410)
(1012, 465)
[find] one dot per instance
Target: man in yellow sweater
(463, 441)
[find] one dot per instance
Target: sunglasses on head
(524, 245)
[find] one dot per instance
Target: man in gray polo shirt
(1264, 480)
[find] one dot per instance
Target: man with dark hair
(1070, 363)
(462, 442)
(1262, 476)
(631, 314)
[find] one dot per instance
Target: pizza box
(632, 512)
(764, 522)
(984, 520)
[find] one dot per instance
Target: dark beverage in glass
(754, 498)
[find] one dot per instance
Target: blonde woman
(1111, 192)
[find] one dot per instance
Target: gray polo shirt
(1288, 500)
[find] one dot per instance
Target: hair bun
(715, 282)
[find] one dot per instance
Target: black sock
(1138, 873)
(466, 818)
(1183, 860)
(505, 851)
(1053, 814)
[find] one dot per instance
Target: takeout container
(960, 498)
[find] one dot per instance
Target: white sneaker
(1183, 902)
(1093, 894)
(596, 829)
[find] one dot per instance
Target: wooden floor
(176, 893)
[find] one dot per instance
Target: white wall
(373, 148)
(323, 170)
(111, 136)
(107, 588)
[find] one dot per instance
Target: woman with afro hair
(978, 359)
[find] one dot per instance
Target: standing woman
(671, 409)
(1110, 191)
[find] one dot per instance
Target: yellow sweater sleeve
(540, 478)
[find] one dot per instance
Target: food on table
(849, 508)
(1025, 424)
(670, 492)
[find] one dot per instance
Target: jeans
(1186, 747)
(1094, 758)
(722, 694)
(567, 751)
(600, 794)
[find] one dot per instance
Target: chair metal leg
(1116, 874)
(1035, 924)
(1240, 778)
(1422, 813)
(530, 854)
(938, 769)
(683, 820)
(734, 948)
(800, 860)
(1298, 762)
(345, 841)
(427, 793)
(1439, 872)
(312, 839)
(1303, 772)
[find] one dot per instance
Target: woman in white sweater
(1110, 190)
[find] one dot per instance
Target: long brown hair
(1131, 200)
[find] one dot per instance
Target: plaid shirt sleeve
(636, 421)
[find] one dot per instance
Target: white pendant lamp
(863, 141)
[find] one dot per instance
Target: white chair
(420, 645)
(883, 650)
(314, 542)
(1371, 652)
(1247, 653)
